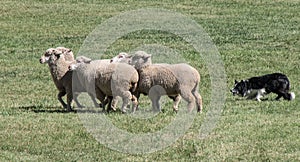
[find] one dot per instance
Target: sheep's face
(66, 51)
(46, 57)
(73, 66)
(79, 61)
(141, 59)
(53, 54)
(122, 57)
(55, 57)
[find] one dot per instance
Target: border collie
(257, 87)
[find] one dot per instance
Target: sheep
(155, 80)
(124, 57)
(61, 76)
(107, 79)
(58, 60)
(87, 80)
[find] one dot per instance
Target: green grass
(253, 38)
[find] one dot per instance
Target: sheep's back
(158, 74)
(115, 77)
(185, 73)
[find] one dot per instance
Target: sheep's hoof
(113, 108)
(80, 106)
(175, 110)
(123, 111)
(199, 110)
(70, 110)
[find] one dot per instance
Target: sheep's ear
(83, 59)
(58, 55)
(87, 61)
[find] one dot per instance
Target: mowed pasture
(253, 38)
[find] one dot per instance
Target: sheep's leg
(76, 101)
(198, 101)
(113, 103)
(101, 97)
(93, 99)
(154, 94)
(134, 103)
(59, 97)
(189, 98)
(137, 96)
(155, 102)
(176, 102)
(126, 97)
(106, 101)
(69, 101)
(109, 100)
(95, 102)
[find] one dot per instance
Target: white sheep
(59, 60)
(155, 80)
(107, 79)
(87, 79)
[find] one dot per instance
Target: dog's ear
(235, 81)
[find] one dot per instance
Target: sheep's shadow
(57, 109)
(41, 109)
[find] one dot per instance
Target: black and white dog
(257, 87)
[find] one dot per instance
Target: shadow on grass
(57, 109)
(241, 99)
(42, 109)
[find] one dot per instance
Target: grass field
(253, 38)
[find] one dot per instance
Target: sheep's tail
(133, 87)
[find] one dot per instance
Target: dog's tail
(289, 95)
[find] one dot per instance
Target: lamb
(59, 60)
(155, 80)
(107, 79)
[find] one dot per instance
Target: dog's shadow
(240, 99)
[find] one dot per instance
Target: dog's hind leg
(285, 94)
(289, 96)
(279, 96)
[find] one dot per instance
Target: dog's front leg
(260, 93)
